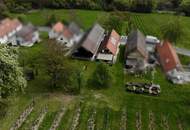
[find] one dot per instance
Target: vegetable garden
(84, 117)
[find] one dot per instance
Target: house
(8, 28)
(151, 43)
(89, 45)
(68, 35)
(170, 63)
(109, 48)
(57, 29)
(168, 57)
(136, 55)
(27, 36)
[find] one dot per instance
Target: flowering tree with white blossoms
(11, 75)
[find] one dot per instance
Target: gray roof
(26, 30)
(136, 41)
(74, 28)
(93, 39)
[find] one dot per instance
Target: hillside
(114, 107)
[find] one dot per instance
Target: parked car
(143, 88)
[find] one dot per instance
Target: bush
(101, 77)
(3, 108)
(145, 6)
(172, 30)
(52, 19)
(185, 7)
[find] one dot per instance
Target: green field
(170, 109)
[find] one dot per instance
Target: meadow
(169, 110)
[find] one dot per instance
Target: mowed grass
(150, 24)
(173, 103)
(84, 17)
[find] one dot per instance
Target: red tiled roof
(58, 27)
(168, 56)
(112, 42)
(67, 33)
(7, 25)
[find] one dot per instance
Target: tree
(62, 73)
(3, 10)
(114, 21)
(51, 19)
(176, 3)
(172, 30)
(145, 6)
(101, 77)
(11, 75)
(185, 7)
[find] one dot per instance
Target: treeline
(108, 5)
(145, 6)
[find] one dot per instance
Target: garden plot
(38, 121)
(95, 118)
(57, 119)
(164, 123)
(46, 124)
(92, 121)
(23, 117)
(123, 124)
(138, 121)
(151, 125)
(76, 119)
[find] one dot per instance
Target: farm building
(168, 57)
(56, 30)
(136, 55)
(67, 35)
(27, 36)
(170, 63)
(151, 43)
(109, 48)
(88, 47)
(8, 29)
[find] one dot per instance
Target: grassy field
(149, 24)
(170, 109)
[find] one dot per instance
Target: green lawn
(173, 103)
(149, 24)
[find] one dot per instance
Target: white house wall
(4, 40)
(53, 34)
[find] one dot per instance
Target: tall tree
(172, 30)
(101, 77)
(62, 73)
(3, 10)
(114, 21)
(11, 75)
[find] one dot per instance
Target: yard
(170, 110)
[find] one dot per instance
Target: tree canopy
(101, 77)
(172, 30)
(11, 75)
(63, 74)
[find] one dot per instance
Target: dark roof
(74, 28)
(168, 57)
(136, 41)
(93, 38)
(26, 32)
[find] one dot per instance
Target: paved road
(44, 29)
(182, 51)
